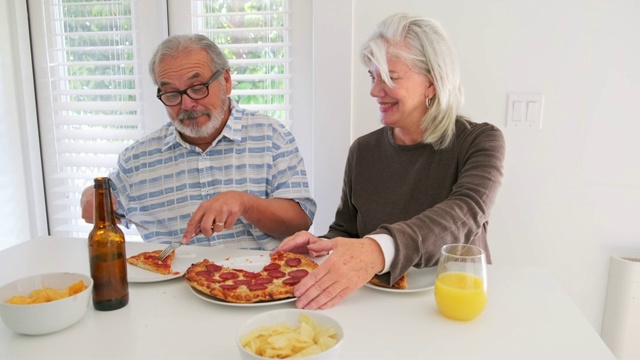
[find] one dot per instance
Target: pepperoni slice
(300, 273)
(242, 282)
(204, 273)
(251, 275)
(293, 262)
(291, 280)
(214, 268)
(229, 286)
(272, 266)
(255, 287)
(229, 275)
(263, 281)
(276, 274)
(211, 279)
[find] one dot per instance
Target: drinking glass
(461, 281)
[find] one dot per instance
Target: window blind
(94, 101)
(94, 75)
(254, 35)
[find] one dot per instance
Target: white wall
(571, 193)
(332, 48)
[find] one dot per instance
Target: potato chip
(284, 341)
(76, 288)
(20, 300)
(39, 296)
(311, 350)
(54, 294)
(326, 342)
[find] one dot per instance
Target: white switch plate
(525, 110)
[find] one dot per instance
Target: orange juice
(460, 296)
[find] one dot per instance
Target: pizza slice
(400, 284)
(148, 260)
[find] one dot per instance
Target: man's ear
(227, 81)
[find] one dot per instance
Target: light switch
(525, 110)
(532, 111)
(517, 111)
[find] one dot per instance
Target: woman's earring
(428, 102)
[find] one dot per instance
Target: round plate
(183, 259)
(249, 263)
(417, 280)
(211, 299)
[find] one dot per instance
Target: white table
(528, 316)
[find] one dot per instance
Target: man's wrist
(84, 196)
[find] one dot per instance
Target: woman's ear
(431, 90)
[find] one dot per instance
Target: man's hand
(216, 214)
(352, 263)
(87, 203)
(278, 217)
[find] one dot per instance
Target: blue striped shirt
(161, 179)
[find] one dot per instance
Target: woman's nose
(377, 88)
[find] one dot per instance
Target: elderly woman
(427, 178)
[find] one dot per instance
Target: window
(254, 37)
(95, 96)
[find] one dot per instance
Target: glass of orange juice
(461, 281)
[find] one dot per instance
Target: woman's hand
(352, 263)
(299, 243)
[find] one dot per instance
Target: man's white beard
(193, 129)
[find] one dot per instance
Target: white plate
(183, 259)
(214, 300)
(249, 263)
(417, 280)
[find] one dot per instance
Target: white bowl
(44, 318)
(291, 317)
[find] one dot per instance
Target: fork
(172, 247)
(168, 250)
(122, 216)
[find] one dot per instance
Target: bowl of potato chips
(45, 303)
(282, 334)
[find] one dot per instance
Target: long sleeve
(423, 198)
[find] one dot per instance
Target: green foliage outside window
(266, 40)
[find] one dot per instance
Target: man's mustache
(192, 114)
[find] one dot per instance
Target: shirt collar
(232, 129)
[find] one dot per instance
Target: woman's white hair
(425, 47)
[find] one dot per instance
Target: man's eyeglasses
(195, 92)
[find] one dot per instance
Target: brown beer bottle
(107, 256)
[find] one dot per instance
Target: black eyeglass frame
(213, 78)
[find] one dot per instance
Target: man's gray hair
(176, 44)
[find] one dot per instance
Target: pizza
(400, 284)
(275, 281)
(148, 260)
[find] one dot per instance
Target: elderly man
(218, 172)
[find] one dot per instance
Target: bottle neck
(103, 211)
